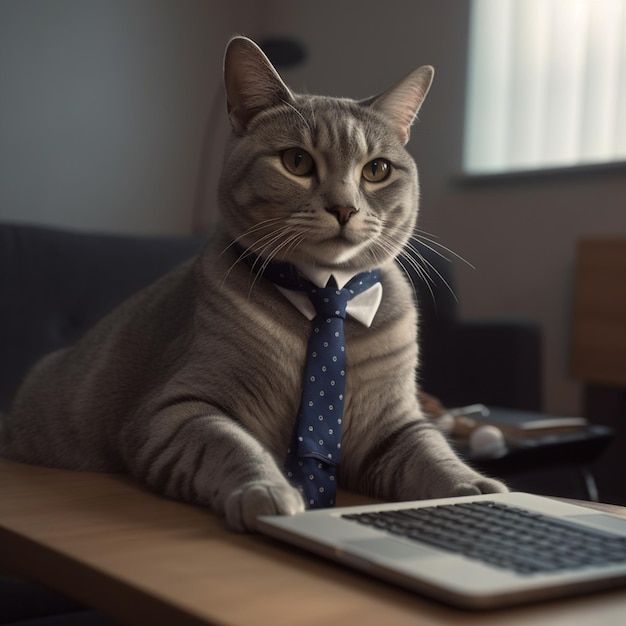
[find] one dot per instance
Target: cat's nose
(343, 213)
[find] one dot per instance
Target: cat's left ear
(401, 103)
(252, 83)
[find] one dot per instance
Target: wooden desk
(146, 560)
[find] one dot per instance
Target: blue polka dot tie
(315, 450)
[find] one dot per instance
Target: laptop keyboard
(502, 535)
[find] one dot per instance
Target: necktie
(315, 450)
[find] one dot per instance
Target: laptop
(474, 552)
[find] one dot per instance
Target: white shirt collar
(362, 307)
(321, 275)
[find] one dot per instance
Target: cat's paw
(245, 504)
(479, 484)
(460, 480)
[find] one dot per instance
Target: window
(546, 84)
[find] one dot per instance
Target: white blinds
(546, 84)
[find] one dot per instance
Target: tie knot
(330, 301)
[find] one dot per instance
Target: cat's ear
(400, 103)
(252, 83)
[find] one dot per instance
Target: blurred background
(112, 118)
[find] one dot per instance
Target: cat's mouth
(347, 232)
(338, 249)
(342, 240)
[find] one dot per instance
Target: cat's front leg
(194, 453)
(414, 461)
(435, 470)
(453, 477)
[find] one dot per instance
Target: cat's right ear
(252, 83)
(401, 103)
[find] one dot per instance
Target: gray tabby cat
(192, 386)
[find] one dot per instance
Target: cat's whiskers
(411, 252)
(421, 272)
(267, 223)
(248, 251)
(268, 247)
(264, 261)
(289, 244)
(244, 254)
(432, 239)
(296, 240)
(390, 247)
(381, 249)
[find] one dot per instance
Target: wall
(523, 244)
(104, 106)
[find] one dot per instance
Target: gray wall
(104, 105)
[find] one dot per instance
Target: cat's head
(316, 179)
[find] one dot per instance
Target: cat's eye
(377, 170)
(297, 161)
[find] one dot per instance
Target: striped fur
(192, 386)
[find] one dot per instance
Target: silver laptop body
(447, 576)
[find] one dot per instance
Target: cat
(192, 386)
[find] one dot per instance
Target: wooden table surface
(143, 560)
